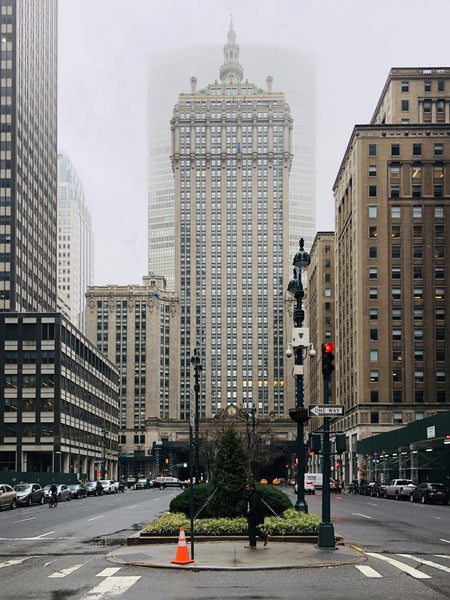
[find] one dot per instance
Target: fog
(104, 50)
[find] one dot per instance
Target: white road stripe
(13, 561)
(361, 515)
(110, 587)
(446, 541)
(426, 562)
(65, 572)
(99, 517)
(133, 506)
(38, 537)
(108, 572)
(442, 556)
(368, 571)
(399, 565)
(23, 520)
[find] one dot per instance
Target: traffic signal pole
(326, 539)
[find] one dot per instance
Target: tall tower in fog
(293, 73)
(75, 242)
(231, 159)
(28, 156)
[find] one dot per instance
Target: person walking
(255, 517)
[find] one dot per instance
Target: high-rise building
(231, 159)
(28, 176)
(392, 196)
(168, 74)
(75, 242)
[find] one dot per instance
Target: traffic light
(315, 442)
(327, 359)
(341, 443)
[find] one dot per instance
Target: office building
(75, 242)
(28, 167)
(231, 159)
(168, 74)
(60, 408)
(392, 196)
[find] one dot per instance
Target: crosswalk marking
(401, 566)
(442, 555)
(110, 587)
(13, 561)
(65, 572)
(368, 571)
(429, 563)
(108, 572)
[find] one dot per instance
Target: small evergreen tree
(230, 475)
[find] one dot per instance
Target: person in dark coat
(255, 517)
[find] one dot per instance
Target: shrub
(290, 522)
(277, 500)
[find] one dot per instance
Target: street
(62, 553)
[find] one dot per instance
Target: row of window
(426, 85)
(416, 149)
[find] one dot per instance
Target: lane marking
(108, 572)
(372, 504)
(38, 537)
(110, 587)
(442, 556)
(49, 562)
(446, 541)
(23, 520)
(13, 561)
(361, 515)
(99, 517)
(65, 572)
(401, 566)
(133, 506)
(368, 571)
(426, 562)
(33, 539)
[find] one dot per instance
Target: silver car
(63, 492)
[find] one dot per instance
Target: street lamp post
(195, 362)
(299, 341)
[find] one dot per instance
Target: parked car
(430, 492)
(121, 487)
(365, 488)
(77, 490)
(377, 490)
(353, 486)
(29, 493)
(63, 492)
(163, 482)
(93, 488)
(113, 486)
(142, 484)
(8, 497)
(107, 487)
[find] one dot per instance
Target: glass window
(396, 272)
(418, 375)
(395, 231)
(418, 314)
(372, 170)
(418, 334)
(427, 86)
(373, 335)
(417, 171)
(373, 212)
(395, 191)
(396, 251)
(373, 293)
(396, 314)
(373, 231)
(417, 252)
(440, 376)
(374, 417)
(374, 395)
(373, 252)
(418, 354)
(397, 334)
(374, 377)
(405, 105)
(374, 356)
(372, 190)
(397, 355)
(417, 272)
(396, 375)
(397, 396)
(438, 212)
(418, 293)
(441, 395)
(438, 190)
(417, 149)
(419, 395)
(438, 149)
(395, 212)
(441, 85)
(417, 211)
(405, 86)
(373, 273)
(398, 417)
(396, 293)
(416, 191)
(373, 314)
(395, 149)
(439, 293)
(372, 149)
(394, 169)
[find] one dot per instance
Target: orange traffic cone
(182, 557)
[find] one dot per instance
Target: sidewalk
(228, 556)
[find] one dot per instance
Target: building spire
(231, 71)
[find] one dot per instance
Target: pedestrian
(255, 517)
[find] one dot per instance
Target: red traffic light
(329, 347)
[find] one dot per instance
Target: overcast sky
(104, 49)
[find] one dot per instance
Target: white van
(315, 479)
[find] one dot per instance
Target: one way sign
(325, 410)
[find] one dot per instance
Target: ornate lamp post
(299, 341)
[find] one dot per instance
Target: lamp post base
(326, 537)
(301, 506)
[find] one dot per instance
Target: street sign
(325, 410)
